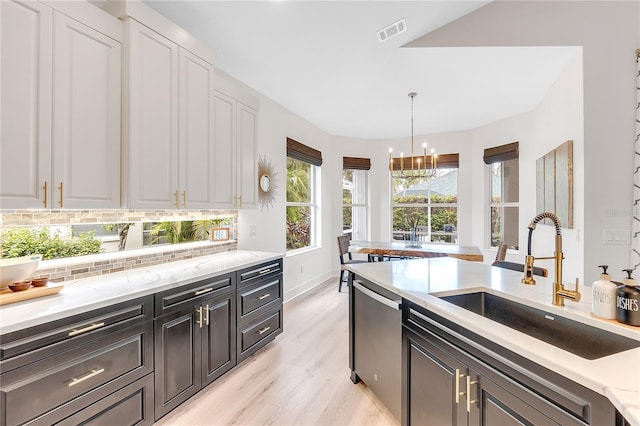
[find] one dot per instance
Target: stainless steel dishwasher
(375, 325)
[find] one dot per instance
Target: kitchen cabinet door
(26, 88)
(433, 386)
(236, 132)
(177, 359)
(152, 119)
(218, 337)
(196, 149)
(86, 127)
(247, 166)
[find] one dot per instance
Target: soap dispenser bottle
(604, 296)
(628, 301)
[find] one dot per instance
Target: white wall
(608, 32)
(265, 229)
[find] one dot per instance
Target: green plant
(17, 242)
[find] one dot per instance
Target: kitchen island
(420, 283)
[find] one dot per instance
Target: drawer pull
(77, 380)
(458, 393)
(264, 271)
(84, 330)
(206, 310)
(469, 400)
(203, 291)
(264, 330)
(264, 296)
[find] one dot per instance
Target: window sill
(301, 251)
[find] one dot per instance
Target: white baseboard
(292, 293)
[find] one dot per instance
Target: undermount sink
(575, 337)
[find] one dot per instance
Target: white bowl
(17, 269)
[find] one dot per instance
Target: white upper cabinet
(60, 91)
(25, 151)
(196, 143)
(169, 131)
(236, 130)
(86, 136)
(152, 131)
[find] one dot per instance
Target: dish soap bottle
(628, 301)
(604, 296)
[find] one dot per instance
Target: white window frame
(427, 206)
(313, 204)
(503, 205)
(362, 179)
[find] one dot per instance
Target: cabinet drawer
(258, 333)
(53, 388)
(259, 295)
(131, 405)
(252, 274)
(190, 294)
(35, 343)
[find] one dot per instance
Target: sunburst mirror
(267, 183)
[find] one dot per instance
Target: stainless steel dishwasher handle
(393, 304)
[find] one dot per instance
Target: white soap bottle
(604, 296)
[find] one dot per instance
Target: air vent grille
(392, 30)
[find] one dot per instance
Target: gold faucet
(559, 292)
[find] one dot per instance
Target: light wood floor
(301, 378)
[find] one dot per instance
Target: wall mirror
(554, 183)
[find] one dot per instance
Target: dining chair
(542, 272)
(345, 257)
(502, 252)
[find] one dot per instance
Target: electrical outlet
(302, 269)
(252, 230)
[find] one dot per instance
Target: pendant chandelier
(418, 167)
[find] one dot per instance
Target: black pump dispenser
(628, 301)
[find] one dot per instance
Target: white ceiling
(323, 61)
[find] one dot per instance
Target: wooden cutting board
(7, 296)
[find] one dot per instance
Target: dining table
(402, 249)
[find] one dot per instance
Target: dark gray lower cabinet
(454, 377)
(64, 371)
(193, 346)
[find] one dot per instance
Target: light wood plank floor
(301, 378)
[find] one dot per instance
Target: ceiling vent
(392, 30)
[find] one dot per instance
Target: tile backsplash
(72, 268)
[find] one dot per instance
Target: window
(354, 204)
(301, 206)
(429, 204)
(504, 188)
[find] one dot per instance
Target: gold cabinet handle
(240, 203)
(264, 296)
(84, 330)
(61, 193)
(45, 189)
(264, 271)
(264, 330)
(206, 310)
(458, 393)
(175, 194)
(77, 380)
(469, 401)
(203, 291)
(199, 320)
(184, 199)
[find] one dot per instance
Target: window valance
(355, 163)
(443, 161)
(303, 152)
(500, 153)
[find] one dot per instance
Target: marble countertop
(95, 292)
(422, 280)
